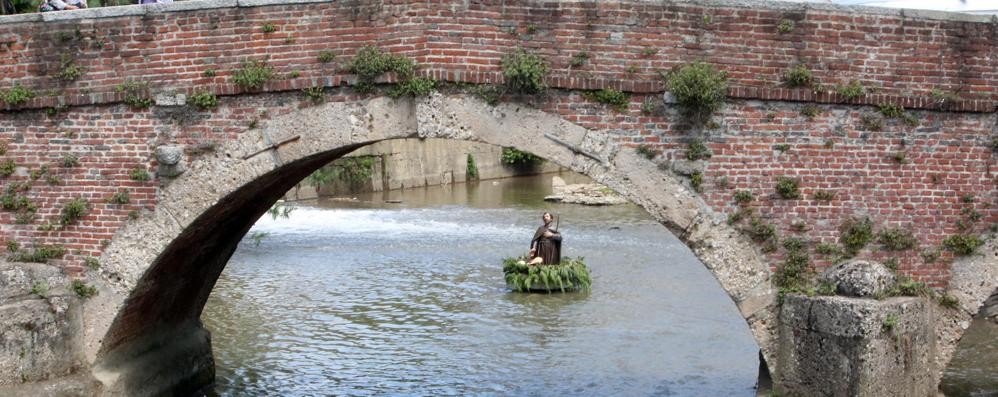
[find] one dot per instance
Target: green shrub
(40, 288)
(208, 73)
(785, 26)
(782, 147)
(7, 168)
(3, 148)
(743, 197)
(414, 87)
(524, 72)
(326, 56)
(70, 161)
(930, 256)
(68, 70)
(570, 274)
(793, 244)
(268, 28)
(897, 239)
(647, 151)
(315, 94)
(649, 104)
(73, 211)
(696, 181)
(139, 174)
(518, 158)
(810, 111)
(472, 168)
(787, 187)
(119, 198)
(578, 59)
(12, 246)
(370, 62)
(794, 272)
(798, 76)
(83, 290)
(852, 91)
(136, 94)
(91, 262)
(616, 100)
(962, 244)
(891, 110)
(949, 301)
(489, 93)
(204, 100)
(699, 89)
(253, 75)
(823, 195)
(826, 249)
(39, 254)
(855, 233)
(760, 231)
(17, 95)
(697, 150)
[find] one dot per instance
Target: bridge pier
(174, 362)
(843, 346)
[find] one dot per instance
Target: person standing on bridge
(546, 245)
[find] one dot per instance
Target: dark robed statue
(546, 246)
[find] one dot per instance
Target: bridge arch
(159, 271)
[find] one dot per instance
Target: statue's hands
(532, 253)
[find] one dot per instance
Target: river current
(372, 298)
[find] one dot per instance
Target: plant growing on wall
(414, 87)
(519, 159)
(524, 72)
(204, 100)
(787, 188)
(472, 168)
(16, 95)
(854, 234)
(699, 89)
(253, 75)
(136, 94)
(616, 100)
(73, 211)
(798, 76)
(370, 62)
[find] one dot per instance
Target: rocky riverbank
(583, 193)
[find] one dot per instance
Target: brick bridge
(108, 105)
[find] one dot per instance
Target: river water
(374, 298)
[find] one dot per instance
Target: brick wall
(947, 155)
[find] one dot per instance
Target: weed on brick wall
(73, 211)
(16, 96)
(203, 100)
(788, 188)
(524, 72)
(616, 100)
(139, 174)
(136, 94)
(253, 75)
(83, 290)
(699, 88)
(647, 151)
(697, 150)
(798, 76)
(854, 234)
(414, 87)
(370, 63)
(851, 91)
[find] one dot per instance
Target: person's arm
(59, 5)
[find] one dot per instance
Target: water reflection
(369, 298)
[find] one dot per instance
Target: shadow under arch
(146, 335)
(972, 367)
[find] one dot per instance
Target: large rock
(859, 278)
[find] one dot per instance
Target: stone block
(840, 346)
(859, 278)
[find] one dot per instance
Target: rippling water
(370, 298)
